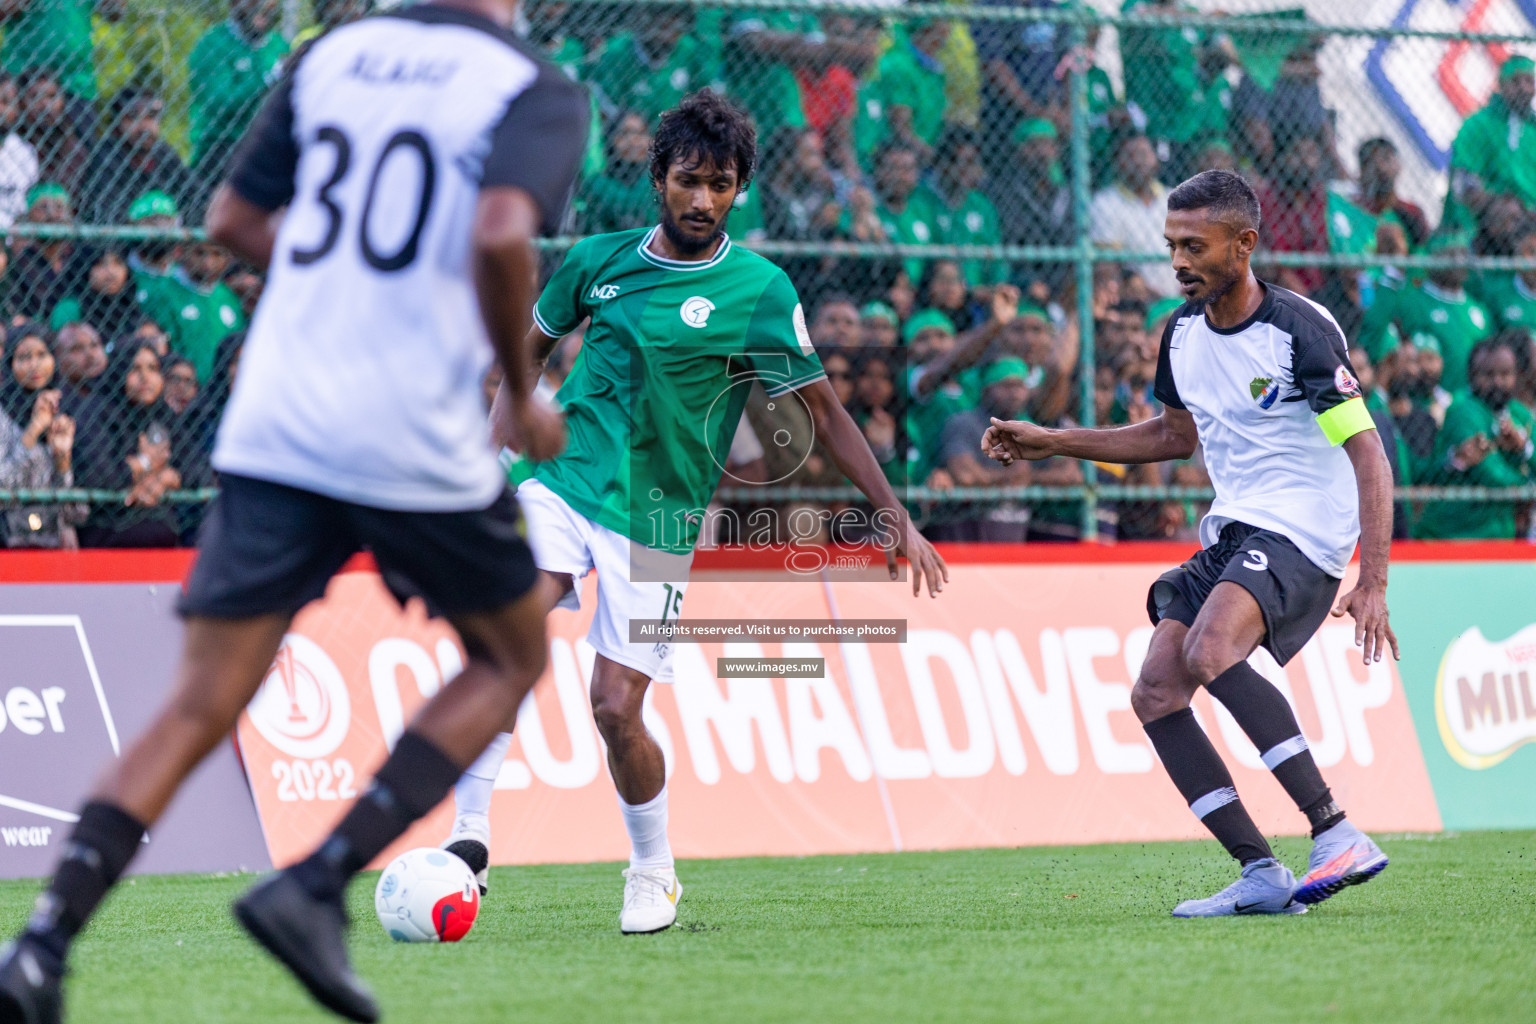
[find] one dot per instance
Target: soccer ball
(427, 895)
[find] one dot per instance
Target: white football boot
(650, 900)
(470, 841)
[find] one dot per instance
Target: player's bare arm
(843, 440)
(245, 229)
(1171, 435)
(506, 279)
(504, 433)
(1367, 602)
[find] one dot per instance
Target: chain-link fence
(969, 197)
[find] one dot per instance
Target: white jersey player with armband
(1260, 378)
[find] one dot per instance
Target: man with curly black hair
(680, 324)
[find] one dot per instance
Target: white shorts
(565, 541)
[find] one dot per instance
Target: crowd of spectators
(913, 130)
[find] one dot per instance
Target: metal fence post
(1081, 186)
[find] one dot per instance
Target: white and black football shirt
(361, 375)
(1273, 398)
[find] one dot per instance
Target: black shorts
(267, 548)
(1294, 595)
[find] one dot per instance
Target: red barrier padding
(171, 565)
(142, 565)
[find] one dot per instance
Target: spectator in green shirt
(1511, 297)
(938, 386)
(153, 261)
(1495, 150)
(1173, 76)
(1486, 442)
(965, 216)
(622, 196)
(877, 325)
(905, 101)
(199, 310)
(1380, 166)
(1440, 308)
(54, 34)
(228, 72)
(1416, 416)
(762, 48)
(652, 68)
(549, 22)
(181, 288)
(897, 213)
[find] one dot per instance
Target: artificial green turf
(1046, 934)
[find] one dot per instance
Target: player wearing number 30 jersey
(386, 133)
(681, 324)
(393, 184)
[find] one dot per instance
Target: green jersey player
(681, 323)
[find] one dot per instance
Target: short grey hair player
(1260, 377)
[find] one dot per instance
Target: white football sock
(647, 827)
(472, 793)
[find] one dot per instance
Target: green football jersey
(666, 364)
(1511, 300)
(629, 83)
(766, 88)
(926, 417)
(905, 77)
(228, 76)
(570, 56)
(973, 222)
(53, 34)
(195, 320)
(1466, 418)
(1456, 320)
(1351, 229)
(916, 224)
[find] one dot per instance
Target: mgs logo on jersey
(602, 292)
(1264, 390)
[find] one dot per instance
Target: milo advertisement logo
(1485, 696)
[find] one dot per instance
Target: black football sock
(98, 850)
(1261, 709)
(411, 782)
(1205, 784)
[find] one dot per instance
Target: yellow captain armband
(1345, 420)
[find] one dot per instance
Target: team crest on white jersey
(695, 311)
(1264, 390)
(1345, 381)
